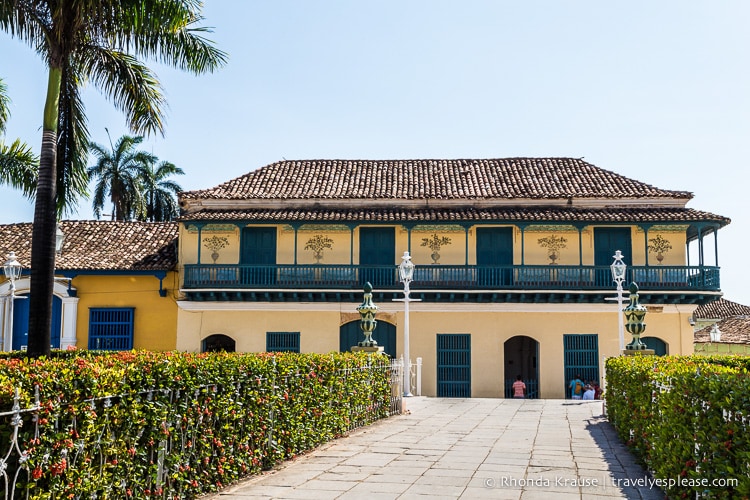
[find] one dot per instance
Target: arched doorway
(21, 322)
(658, 345)
(218, 343)
(385, 335)
(521, 358)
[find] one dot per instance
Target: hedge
(176, 425)
(686, 419)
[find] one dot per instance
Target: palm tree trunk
(43, 232)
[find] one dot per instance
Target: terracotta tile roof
(721, 309)
(101, 245)
(733, 331)
(526, 214)
(470, 179)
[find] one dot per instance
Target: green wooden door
(258, 255)
(607, 240)
(657, 344)
(454, 365)
(495, 256)
(581, 353)
(377, 250)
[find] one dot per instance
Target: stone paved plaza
(465, 448)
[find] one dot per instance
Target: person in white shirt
(588, 392)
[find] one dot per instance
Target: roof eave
(194, 205)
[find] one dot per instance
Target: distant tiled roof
(721, 309)
(527, 214)
(733, 331)
(467, 179)
(101, 245)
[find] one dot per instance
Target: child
(519, 388)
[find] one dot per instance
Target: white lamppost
(618, 268)
(406, 273)
(12, 270)
(59, 239)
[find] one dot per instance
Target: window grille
(111, 329)
(282, 341)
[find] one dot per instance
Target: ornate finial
(634, 316)
(367, 311)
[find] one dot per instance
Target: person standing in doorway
(519, 388)
(576, 387)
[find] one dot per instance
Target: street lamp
(618, 268)
(12, 270)
(59, 239)
(406, 273)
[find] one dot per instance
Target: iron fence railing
(461, 277)
(17, 477)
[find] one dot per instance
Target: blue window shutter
(111, 329)
(282, 341)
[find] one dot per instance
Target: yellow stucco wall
(490, 326)
(345, 244)
(155, 317)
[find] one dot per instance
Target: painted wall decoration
(215, 243)
(659, 246)
(318, 244)
(553, 244)
(434, 243)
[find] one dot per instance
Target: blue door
(581, 353)
(607, 240)
(21, 323)
(454, 365)
(377, 251)
(350, 334)
(495, 256)
(258, 253)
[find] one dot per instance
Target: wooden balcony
(692, 284)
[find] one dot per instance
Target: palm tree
(160, 193)
(118, 170)
(96, 40)
(18, 165)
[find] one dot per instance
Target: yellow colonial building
(512, 265)
(512, 269)
(115, 286)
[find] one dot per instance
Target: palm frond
(19, 167)
(169, 35)
(131, 86)
(4, 108)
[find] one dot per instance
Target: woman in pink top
(519, 388)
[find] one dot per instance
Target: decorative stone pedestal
(371, 349)
(639, 352)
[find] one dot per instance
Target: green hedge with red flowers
(687, 419)
(176, 425)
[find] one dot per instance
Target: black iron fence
(465, 277)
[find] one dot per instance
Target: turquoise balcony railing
(439, 277)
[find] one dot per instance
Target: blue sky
(657, 91)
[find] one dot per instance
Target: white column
(620, 324)
(69, 322)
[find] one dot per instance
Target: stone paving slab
(464, 448)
